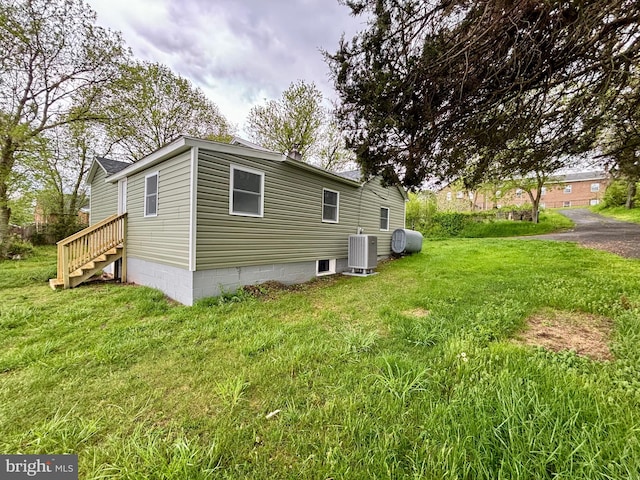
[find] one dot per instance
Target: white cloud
(238, 51)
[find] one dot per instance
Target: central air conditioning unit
(363, 254)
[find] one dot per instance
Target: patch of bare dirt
(586, 334)
(271, 289)
(417, 313)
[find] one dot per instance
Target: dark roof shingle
(111, 166)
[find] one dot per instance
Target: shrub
(18, 248)
(615, 195)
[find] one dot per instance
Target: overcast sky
(240, 52)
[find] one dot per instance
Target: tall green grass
(407, 374)
(459, 225)
(620, 213)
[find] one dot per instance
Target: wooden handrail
(88, 230)
(88, 244)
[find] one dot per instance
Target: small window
(460, 195)
(330, 205)
(543, 191)
(151, 195)
(594, 201)
(384, 219)
(567, 189)
(519, 193)
(448, 196)
(326, 267)
(566, 204)
(595, 187)
(246, 192)
(498, 193)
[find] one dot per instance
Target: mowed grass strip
(411, 373)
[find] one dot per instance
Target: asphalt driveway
(595, 231)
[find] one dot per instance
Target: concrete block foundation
(186, 287)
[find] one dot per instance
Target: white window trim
(332, 267)
(568, 189)
(231, 180)
(388, 218)
(337, 220)
(596, 189)
(157, 175)
(122, 196)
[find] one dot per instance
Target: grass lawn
(412, 373)
(621, 213)
(549, 221)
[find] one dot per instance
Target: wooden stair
(89, 269)
(84, 254)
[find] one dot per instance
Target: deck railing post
(65, 265)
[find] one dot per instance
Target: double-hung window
(151, 195)
(330, 206)
(384, 219)
(246, 192)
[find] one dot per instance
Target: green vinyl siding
(291, 229)
(104, 198)
(163, 238)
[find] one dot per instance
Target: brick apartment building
(571, 190)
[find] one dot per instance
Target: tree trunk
(6, 164)
(631, 194)
(535, 203)
(535, 211)
(5, 213)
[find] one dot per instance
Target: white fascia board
(183, 144)
(92, 170)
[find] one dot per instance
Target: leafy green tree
(329, 150)
(619, 138)
(291, 122)
(61, 170)
(420, 209)
(429, 85)
(150, 106)
(54, 62)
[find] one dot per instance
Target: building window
(498, 193)
(246, 195)
(384, 219)
(594, 201)
(567, 189)
(595, 187)
(151, 195)
(519, 192)
(566, 203)
(448, 196)
(330, 206)
(326, 267)
(543, 191)
(460, 195)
